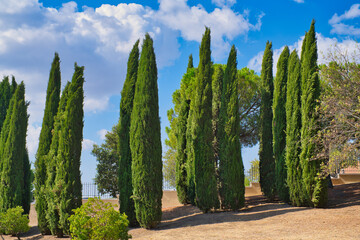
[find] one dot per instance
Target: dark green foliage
(126, 106)
(279, 125)
(12, 151)
(5, 96)
(107, 168)
(51, 108)
(145, 141)
(293, 128)
(52, 195)
(28, 178)
(190, 63)
(202, 137)
(181, 155)
(13, 85)
(68, 177)
(232, 189)
(267, 163)
(314, 181)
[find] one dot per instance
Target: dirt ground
(259, 220)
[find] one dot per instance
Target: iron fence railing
(345, 167)
(253, 174)
(90, 190)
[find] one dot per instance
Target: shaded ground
(259, 220)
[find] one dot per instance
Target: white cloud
(32, 138)
(102, 133)
(338, 27)
(325, 46)
(87, 144)
(223, 3)
(299, 1)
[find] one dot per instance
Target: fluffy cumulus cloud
(101, 133)
(87, 144)
(338, 25)
(325, 47)
(100, 39)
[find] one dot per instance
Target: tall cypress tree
(267, 163)
(126, 106)
(293, 128)
(51, 108)
(68, 177)
(314, 180)
(202, 137)
(145, 141)
(51, 193)
(26, 198)
(279, 125)
(12, 150)
(231, 165)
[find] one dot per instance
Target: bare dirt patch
(259, 220)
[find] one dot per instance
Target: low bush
(13, 222)
(97, 220)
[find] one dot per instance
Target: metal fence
(167, 186)
(253, 174)
(90, 190)
(346, 167)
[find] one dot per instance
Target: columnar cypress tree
(231, 165)
(68, 177)
(12, 146)
(126, 106)
(51, 193)
(190, 178)
(279, 125)
(205, 181)
(51, 108)
(267, 164)
(314, 181)
(293, 128)
(181, 154)
(145, 141)
(5, 96)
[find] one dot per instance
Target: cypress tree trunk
(51, 108)
(314, 179)
(126, 106)
(293, 128)
(68, 177)
(205, 181)
(52, 194)
(267, 163)
(181, 155)
(12, 146)
(145, 141)
(279, 125)
(231, 166)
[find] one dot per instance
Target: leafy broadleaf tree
(145, 141)
(51, 108)
(12, 153)
(313, 176)
(279, 125)
(126, 106)
(202, 137)
(266, 158)
(107, 168)
(231, 167)
(293, 128)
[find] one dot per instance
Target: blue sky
(100, 34)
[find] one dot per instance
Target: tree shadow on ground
(345, 195)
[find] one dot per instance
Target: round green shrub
(13, 222)
(97, 220)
